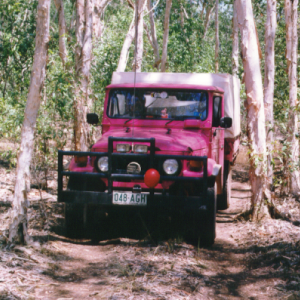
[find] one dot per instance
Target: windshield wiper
(178, 118)
(127, 121)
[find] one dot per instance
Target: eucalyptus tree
(83, 55)
(18, 227)
(217, 37)
(126, 45)
(63, 53)
(139, 31)
(98, 23)
(291, 19)
(153, 35)
(255, 109)
(209, 10)
(270, 30)
(235, 42)
(166, 35)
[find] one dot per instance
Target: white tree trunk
(254, 105)
(137, 62)
(82, 103)
(235, 43)
(270, 29)
(63, 53)
(181, 16)
(126, 45)
(217, 37)
(209, 11)
(291, 16)
(148, 34)
(98, 24)
(166, 36)
(153, 34)
(202, 10)
(18, 227)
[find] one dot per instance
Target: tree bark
(137, 62)
(270, 29)
(126, 45)
(166, 36)
(148, 34)
(217, 37)
(153, 34)
(291, 17)
(202, 10)
(183, 15)
(63, 53)
(207, 18)
(255, 108)
(82, 103)
(235, 43)
(98, 24)
(18, 227)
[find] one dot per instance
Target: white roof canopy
(227, 82)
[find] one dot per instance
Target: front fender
(217, 173)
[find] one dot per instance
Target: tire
(205, 223)
(82, 220)
(224, 199)
(74, 220)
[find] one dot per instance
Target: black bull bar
(153, 199)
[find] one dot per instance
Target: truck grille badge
(134, 168)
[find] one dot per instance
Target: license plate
(129, 198)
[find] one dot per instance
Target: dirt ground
(247, 261)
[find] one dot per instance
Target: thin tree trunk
(181, 16)
(82, 103)
(202, 10)
(126, 45)
(255, 108)
(153, 34)
(291, 17)
(79, 30)
(270, 29)
(18, 227)
(217, 37)
(166, 36)
(98, 24)
(235, 43)
(146, 28)
(137, 62)
(207, 19)
(73, 17)
(63, 53)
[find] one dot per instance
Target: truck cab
(163, 147)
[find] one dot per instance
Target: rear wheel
(224, 199)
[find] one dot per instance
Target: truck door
(217, 131)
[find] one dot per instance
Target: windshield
(158, 104)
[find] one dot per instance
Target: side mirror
(226, 122)
(92, 118)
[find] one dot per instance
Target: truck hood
(178, 140)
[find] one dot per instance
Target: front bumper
(156, 198)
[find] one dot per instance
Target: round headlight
(103, 164)
(170, 166)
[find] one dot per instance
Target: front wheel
(205, 222)
(74, 220)
(224, 199)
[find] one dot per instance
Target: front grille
(119, 164)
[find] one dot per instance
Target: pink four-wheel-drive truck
(168, 143)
